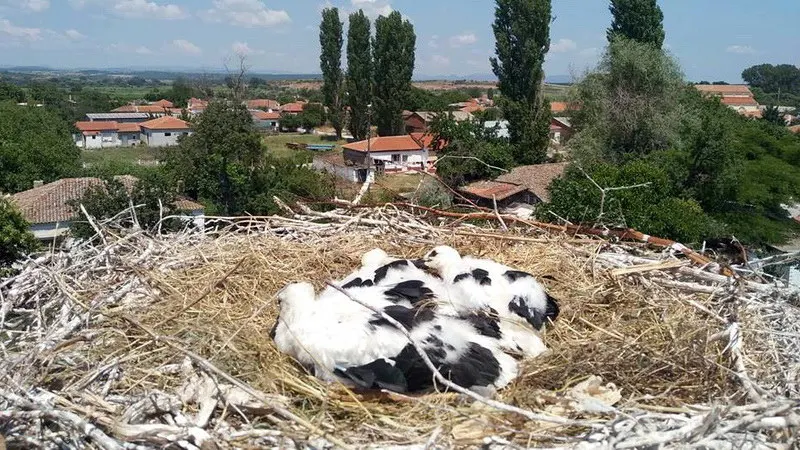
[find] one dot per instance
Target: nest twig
(132, 339)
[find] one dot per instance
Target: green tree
(104, 200)
(313, 116)
(630, 105)
(359, 74)
(15, 239)
(330, 59)
(35, 144)
(224, 165)
(773, 115)
(522, 34)
(638, 20)
(467, 151)
(784, 78)
(215, 160)
(10, 91)
(291, 122)
(394, 47)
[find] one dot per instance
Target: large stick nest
(163, 341)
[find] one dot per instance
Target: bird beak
(420, 264)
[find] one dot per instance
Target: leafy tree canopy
(35, 144)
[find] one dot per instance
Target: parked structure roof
(117, 116)
(166, 123)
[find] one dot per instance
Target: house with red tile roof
(164, 131)
(47, 210)
(522, 185)
(736, 96)
(419, 121)
(379, 155)
(163, 103)
(266, 121)
(293, 108)
(263, 103)
(94, 134)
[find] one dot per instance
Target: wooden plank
(673, 264)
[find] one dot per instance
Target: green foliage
(110, 197)
(630, 106)
(35, 144)
(393, 48)
(224, 165)
(425, 100)
(774, 78)
(359, 74)
(469, 152)
(291, 122)
(12, 92)
(330, 40)
(522, 34)
(313, 115)
(773, 115)
(15, 239)
(638, 20)
(654, 208)
(432, 194)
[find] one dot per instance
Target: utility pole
(369, 138)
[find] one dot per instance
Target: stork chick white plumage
(342, 340)
(521, 303)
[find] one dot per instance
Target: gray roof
(115, 116)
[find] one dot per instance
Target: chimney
(38, 183)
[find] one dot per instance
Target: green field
(556, 92)
(276, 144)
(119, 155)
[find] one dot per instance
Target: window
(395, 158)
(94, 137)
(167, 134)
(405, 158)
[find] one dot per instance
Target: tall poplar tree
(330, 59)
(359, 74)
(639, 20)
(522, 34)
(394, 47)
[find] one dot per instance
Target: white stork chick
(513, 294)
(342, 340)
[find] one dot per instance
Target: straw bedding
(163, 341)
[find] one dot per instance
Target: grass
(120, 155)
(276, 144)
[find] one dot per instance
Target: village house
(152, 111)
(46, 208)
(263, 104)
(92, 135)
(266, 121)
(160, 132)
(196, 106)
(293, 108)
(164, 131)
(419, 121)
(516, 191)
(379, 155)
(736, 96)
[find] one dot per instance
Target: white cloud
(440, 60)
(245, 13)
(142, 50)
(563, 46)
(740, 49)
(150, 10)
(34, 5)
(434, 42)
(242, 48)
(592, 51)
(463, 39)
(184, 46)
(16, 33)
(73, 34)
(373, 8)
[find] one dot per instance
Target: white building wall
(162, 138)
(347, 173)
(94, 141)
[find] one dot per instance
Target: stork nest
(164, 341)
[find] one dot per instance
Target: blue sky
(713, 40)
